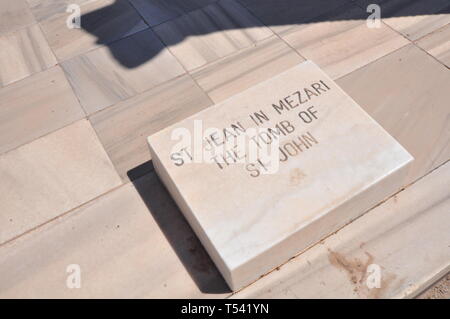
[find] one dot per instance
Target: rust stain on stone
(356, 270)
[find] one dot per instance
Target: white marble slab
(335, 162)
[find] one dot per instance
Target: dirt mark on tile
(358, 274)
(296, 176)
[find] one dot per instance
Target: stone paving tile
(248, 67)
(44, 9)
(35, 106)
(14, 14)
(206, 35)
(343, 42)
(123, 128)
(281, 15)
(438, 44)
(23, 53)
(407, 93)
(158, 11)
(130, 243)
(413, 18)
(107, 75)
(51, 175)
(102, 22)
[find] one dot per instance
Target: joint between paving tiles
(409, 40)
(432, 32)
(415, 43)
(46, 40)
(62, 215)
(274, 33)
(23, 26)
(42, 136)
(375, 60)
(168, 20)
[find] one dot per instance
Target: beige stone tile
(44, 9)
(124, 127)
(281, 15)
(241, 70)
(126, 247)
(36, 106)
(127, 67)
(341, 42)
(205, 35)
(413, 18)
(407, 93)
(50, 176)
(407, 237)
(438, 44)
(14, 14)
(158, 11)
(24, 52)
(102, 22)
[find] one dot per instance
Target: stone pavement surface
(76, 180)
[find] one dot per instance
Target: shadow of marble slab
(214, 29)
(102, 23)
(156, 12)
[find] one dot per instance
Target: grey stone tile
(158, 11)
